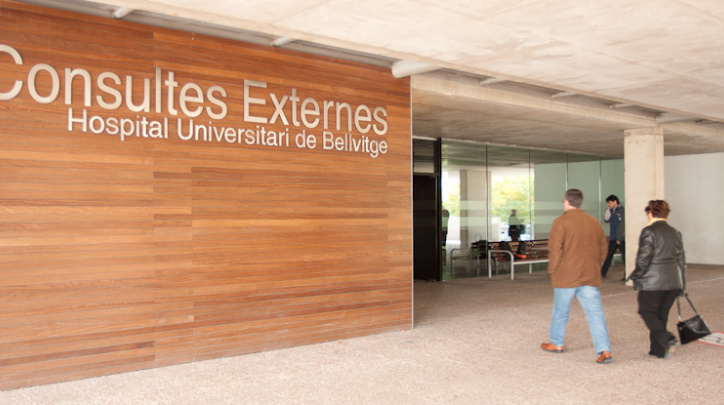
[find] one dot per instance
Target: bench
(472, 256)
(536, 252)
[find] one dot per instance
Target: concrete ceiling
(569, 75)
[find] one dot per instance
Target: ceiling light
(281, 41)
(490, 80)
(122, 12)
(563, 94)
(404, 68)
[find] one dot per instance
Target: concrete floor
(476, 341)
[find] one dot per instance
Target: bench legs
(512, 264)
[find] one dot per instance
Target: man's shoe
(605, 358)
(550, 347)
(623, 279)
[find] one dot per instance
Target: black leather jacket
(659, 259)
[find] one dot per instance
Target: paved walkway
(475, 342)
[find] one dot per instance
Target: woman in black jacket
(659, 276)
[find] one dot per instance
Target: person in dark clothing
(659, 276)
(617, 235)
(514, 226)
(445, 220)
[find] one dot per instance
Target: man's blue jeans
(590, 299)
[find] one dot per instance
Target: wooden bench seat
(536, 252)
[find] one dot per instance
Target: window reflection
(481, 185)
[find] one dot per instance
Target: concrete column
(644, 178)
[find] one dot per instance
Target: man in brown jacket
(577, 247)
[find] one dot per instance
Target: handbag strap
(678, 306)
(681, 281)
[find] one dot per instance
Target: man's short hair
(612, 198)
(658, 208)
(574, 197)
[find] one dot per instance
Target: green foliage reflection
(512, 192)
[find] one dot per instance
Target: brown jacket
(577, 247)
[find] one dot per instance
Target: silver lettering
(18, 84)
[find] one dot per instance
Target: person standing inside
(659, 276)
(514, 226)
(617, 236)
(577, 246)
(445, 220)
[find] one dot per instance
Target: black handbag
(693, 328)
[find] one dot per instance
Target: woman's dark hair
(658, 208)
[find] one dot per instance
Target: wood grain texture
(120, 255)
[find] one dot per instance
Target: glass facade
(486, 189)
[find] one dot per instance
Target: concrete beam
(691, 128)
(488, 94)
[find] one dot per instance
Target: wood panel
(119, 255)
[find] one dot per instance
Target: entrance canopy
(565, 75)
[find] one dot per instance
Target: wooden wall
(124, 255)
